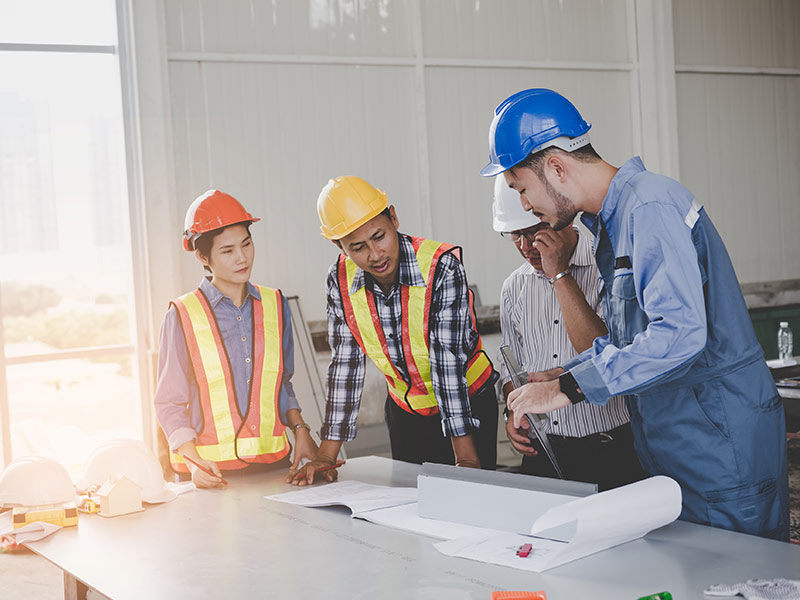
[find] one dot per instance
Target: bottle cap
(784, 323)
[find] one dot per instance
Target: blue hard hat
(529, 121)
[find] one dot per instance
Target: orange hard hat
(212, 210)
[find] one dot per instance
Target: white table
(233, 543)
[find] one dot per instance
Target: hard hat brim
(493, 169)
(165, 495)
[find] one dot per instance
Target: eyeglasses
(516, 236)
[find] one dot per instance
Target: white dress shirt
(533, 328)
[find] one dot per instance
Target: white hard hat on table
(31, 481)
(132, 459)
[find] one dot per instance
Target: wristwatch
(302, 426)
(570, 388)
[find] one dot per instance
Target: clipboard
(536, 430)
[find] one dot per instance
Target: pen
(204, 470)
(329, 467)
(321, 469)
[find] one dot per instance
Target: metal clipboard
(536, 430)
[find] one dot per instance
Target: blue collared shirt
(177, 401)
(661, 272)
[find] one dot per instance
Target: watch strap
(570, 388)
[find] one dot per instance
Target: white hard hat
(35, 481)
(507, 209)
(132, 459)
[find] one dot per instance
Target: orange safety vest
(416, 395)
(227, 438)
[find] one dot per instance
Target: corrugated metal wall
(270, 98)
(738, 90)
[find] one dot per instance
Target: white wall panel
(741, 33)
(460, 103)
(740, 157)
(272, 135)
(738, 125)
(527, 29)
(316, 27)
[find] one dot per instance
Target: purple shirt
(177, 400)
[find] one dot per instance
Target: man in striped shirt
(548, 314)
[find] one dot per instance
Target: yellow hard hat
(346, 203)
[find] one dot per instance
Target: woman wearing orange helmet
(224, 395)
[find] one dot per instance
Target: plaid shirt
(452, 340)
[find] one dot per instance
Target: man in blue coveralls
(681, 347)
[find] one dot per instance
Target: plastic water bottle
(784, 341)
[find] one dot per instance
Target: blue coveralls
(681, 346)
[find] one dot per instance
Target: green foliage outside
(73, 329)
(26, 318)
(27, 300)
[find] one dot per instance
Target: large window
(68, 367)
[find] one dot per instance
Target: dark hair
(205, 242)
(535, 161)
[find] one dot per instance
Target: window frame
(141, 335)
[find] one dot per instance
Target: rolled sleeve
(591, 383)
(174, 388)
(345, 371)
(451, 340)
(180, 436)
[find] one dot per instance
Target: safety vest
(229, 439)
(415, 395)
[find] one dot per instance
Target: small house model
(119, 496)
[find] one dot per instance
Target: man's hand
(304, 447)
(325, 457)
(549, 375)
(519, 437)
(535, 398)
(305, 474)
(555, 248)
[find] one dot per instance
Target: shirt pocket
(624, 316)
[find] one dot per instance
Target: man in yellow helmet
(402, 301)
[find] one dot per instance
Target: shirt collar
(215, 296)
(632, 167)
(408, 269)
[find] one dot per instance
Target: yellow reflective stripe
(425, 257)
(372, 344)
(212, 365)
(416, 325)
(267, 443)
(477, 368)
(416, 334)
(216, 452)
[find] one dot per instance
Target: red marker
(321, 469)
(204, 470)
